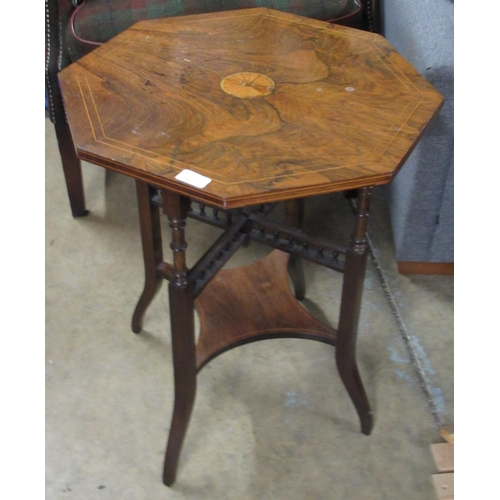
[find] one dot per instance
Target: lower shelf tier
(252, 303)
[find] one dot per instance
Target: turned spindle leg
(295, 218)
(181, 298)
(149, 221)
(354, 274)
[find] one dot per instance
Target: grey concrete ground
(271, 419)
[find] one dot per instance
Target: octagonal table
(237, 111)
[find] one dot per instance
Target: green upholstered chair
(75, 27)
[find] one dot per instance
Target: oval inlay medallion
(247, 85)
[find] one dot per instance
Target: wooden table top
(267, 105)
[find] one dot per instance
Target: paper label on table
(193, 179)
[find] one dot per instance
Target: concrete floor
(271, 419)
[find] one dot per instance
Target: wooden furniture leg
(295, 218)
(149, 221)
(72, 168)
(181, 298)
(355, 266)
(71, 165)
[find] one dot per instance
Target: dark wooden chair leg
(354, 273)
(181, 298)
(149, 221)
(72, 168)
(56, 57)
(295, 217)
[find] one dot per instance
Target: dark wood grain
(345, 111)
(72, 167)
(294, 216)
(152, 250)
(184, 361)
(181, 301)
(252, 303)
(350, 307)
(408, 267)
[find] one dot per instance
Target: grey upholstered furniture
(421, 195)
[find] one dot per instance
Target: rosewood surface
(268, 105)
(252, 303)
